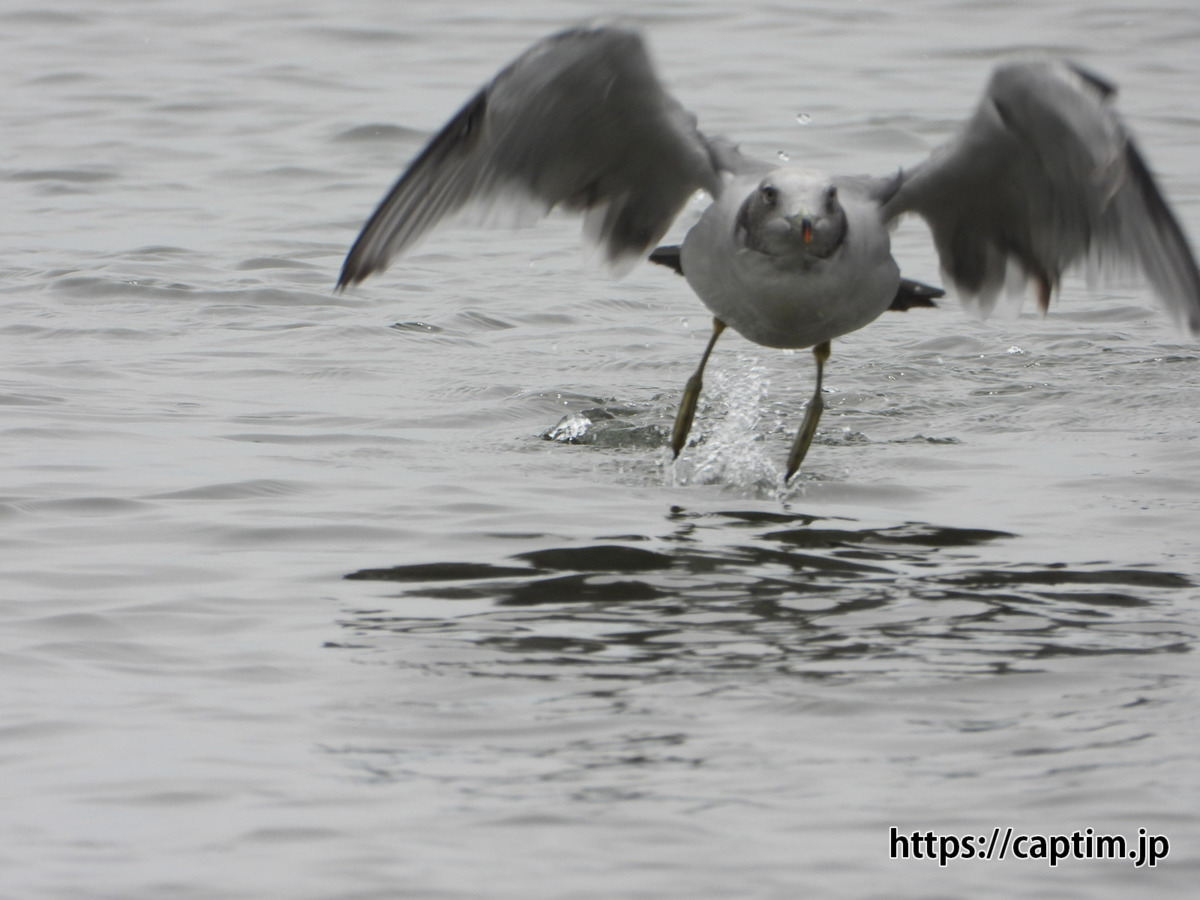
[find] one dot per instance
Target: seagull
(1042, 177)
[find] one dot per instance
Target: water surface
(298, 599)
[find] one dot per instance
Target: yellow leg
(691, 394)
(808, 427)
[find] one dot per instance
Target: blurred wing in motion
(1046, 175)
(579, 120)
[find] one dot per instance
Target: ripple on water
(812, 596)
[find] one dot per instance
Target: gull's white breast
(791, 306)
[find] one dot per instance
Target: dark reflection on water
(785, 592)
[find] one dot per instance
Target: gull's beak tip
(804, 223)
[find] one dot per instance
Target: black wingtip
(668, 256)
(1099, 83)
(348, 277)
(913, 295)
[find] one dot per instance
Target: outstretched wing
(579, 120)
(1046, 175)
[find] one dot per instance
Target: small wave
(378, 132)
(82, 506)
(236, 490)
(272, 262)
(71, 176)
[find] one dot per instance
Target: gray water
(298, 602)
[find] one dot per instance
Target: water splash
(573, 428)
(727, 447)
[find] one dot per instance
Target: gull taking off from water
(1041, 177)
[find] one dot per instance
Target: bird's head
(793, 214)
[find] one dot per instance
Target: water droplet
(803, 118)
(783, 157)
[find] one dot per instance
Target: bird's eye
(770, 194)
(831, 200)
